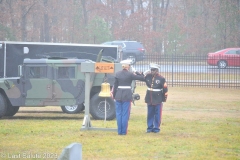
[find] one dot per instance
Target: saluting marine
(157, 93)
(122, 93)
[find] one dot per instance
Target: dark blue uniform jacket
(155, 82)
(124, 78)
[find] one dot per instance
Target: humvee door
(38, 84)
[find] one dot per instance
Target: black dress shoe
(156, 131)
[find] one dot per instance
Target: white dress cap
(154, 65)
(127, 61)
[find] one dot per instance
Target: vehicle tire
(133, 58)
(11, 110)
(3, 106)
(74, 109)
(97, 108)
(222, 64)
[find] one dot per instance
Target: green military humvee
(54, 82)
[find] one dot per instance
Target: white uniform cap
(153, 65)
(127, 61)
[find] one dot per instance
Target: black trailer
(12, 54)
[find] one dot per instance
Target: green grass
(197, 123)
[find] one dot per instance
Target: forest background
(188, 27)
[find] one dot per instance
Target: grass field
(197, 123)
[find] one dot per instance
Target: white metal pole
(105, 110)
(87, 96)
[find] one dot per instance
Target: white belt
(125, 87)
(150, 89)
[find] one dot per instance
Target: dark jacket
(124, 78)
(155, 83)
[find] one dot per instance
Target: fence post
(172, 69)
(219, 78)
(219, 72)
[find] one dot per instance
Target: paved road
(190, 69)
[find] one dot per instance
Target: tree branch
(29, 9)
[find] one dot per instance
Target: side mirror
(20, 71)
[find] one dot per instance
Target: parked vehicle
(34, 74)
(224, 58)
(130, 49)
(50, 75)
(13, 53)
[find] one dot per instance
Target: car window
(133, 45)
(231, 52)
(66, 72)
(119, 44)
(37, 72)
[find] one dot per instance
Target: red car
(224, 58)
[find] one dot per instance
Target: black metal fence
(192, 71)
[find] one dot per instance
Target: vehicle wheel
(97, 108)
(11, 110)
(3, 106)
(222, 64)
(73, 109)
(133, 58)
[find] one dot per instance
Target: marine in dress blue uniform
(122, 93)
(156, 94)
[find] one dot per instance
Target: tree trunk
(23, 23)
(85, 16)
(238, 23)
(46, 22)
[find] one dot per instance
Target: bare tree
(46, 22)
(192, 27)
